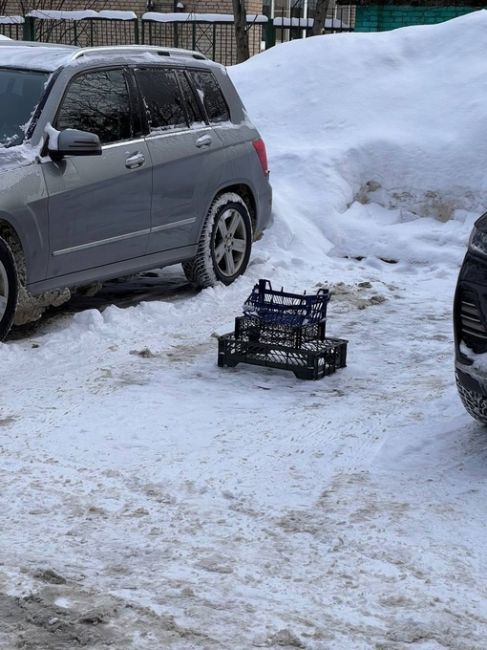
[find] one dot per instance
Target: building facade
(383, 15)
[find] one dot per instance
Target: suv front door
(99, 207)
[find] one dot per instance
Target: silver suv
(117, 160)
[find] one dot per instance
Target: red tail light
(259, 147)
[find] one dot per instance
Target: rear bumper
(264, 209)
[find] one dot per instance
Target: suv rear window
(98, 102)
(163, 100)
(211, 96)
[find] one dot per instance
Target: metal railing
(288, 29)
(12, 26)
(86, 28)
(211, 34)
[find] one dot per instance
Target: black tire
(222, 258)
(9, 287)
(475, 403)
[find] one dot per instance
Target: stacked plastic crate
(284, 330)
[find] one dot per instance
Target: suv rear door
(99, 207)
(187, 157)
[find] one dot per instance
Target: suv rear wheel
(9, 287)
(225, 243)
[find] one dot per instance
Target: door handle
(135, 160)
(204, 141)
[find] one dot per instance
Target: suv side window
(98, 102)
(162, 97)
(211, 96)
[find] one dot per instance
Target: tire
(475, 403)
(225, 243)
(9, 287)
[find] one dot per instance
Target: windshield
(20, 93)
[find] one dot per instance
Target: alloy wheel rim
(230, 244)
(3, 290)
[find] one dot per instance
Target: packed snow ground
(152, 500)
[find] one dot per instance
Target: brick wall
(383, 17)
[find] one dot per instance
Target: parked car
(470, 324)
(116, 160)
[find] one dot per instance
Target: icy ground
(150, 500)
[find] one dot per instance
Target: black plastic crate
(311, 361)
(283, 308)
(255, 330)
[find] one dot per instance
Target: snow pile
(357, 121)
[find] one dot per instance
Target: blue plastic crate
(283, 308)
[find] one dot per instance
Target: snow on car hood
(14, 157)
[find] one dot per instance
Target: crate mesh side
(252, 329)
(324, 359)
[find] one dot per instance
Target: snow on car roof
(34, 57)
(49, 57)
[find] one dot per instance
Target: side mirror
(72, 142)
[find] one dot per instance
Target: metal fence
(12, 26)
(212, 35)
(84, 33)
(288, 29)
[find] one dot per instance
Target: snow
(27, 56)
(117, 15)
(11, 20)
(181, 17)
(53, 14)
(479, 361)
(179, 505)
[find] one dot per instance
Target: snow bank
(395, 119)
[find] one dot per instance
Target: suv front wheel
(8, 288)
(475, 404)
(225, 243)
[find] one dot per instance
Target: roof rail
(138, 49)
